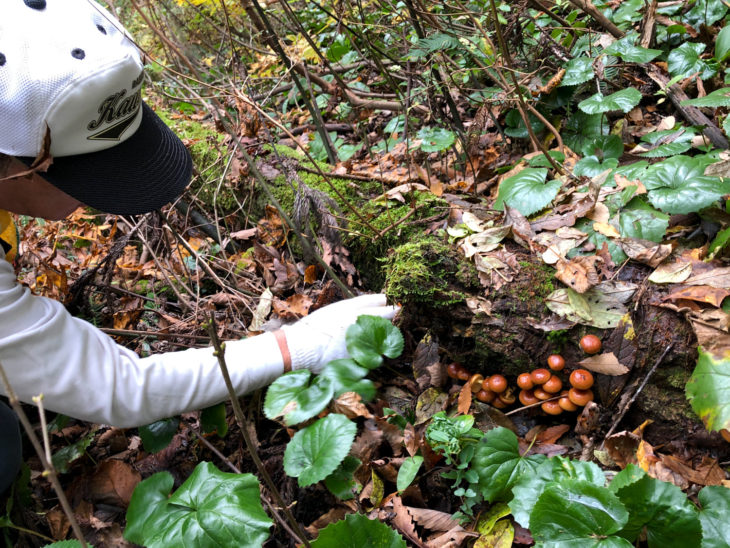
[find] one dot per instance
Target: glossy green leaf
(317, 450)
(347, 376)
(577, 71)
(668, 143)
(597, 239)
(685, 61)
(407, 471)
(590, 166)
(357, 531)
(370, 338)
(582, 128)
(623, 100)
(292, 397)
(529, 487)
(661, 510)
(639, 220)
(158, 435)
(63, 458)
(708, 390)
(499, 465)
(715, 516)
(718, 98)
(721, 240)
(541, 161)
(626, 50)
(341, 482)
(604, 147)
(435, 139)
(527, 191)
(213, 419)
(705, 12)
(722, 43)
(678, 185)
(515, 126)
(628, 12)
(212, 509)
(577, 513)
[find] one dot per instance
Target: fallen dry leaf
(606, 364)
(700, 293)
(579, 273)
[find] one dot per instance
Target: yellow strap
(8, 234)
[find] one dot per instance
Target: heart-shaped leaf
(370, 338)
(722, 44)
(708, 390)
(715, 501)
(527, 191)
(668, 143)
(604, 147)
(317, 450)
(590, 166)
(499, 465)
(529, 487)
(435, 139)
(626, 50)
(292, 397)
(718, 98)
(213, 419)
(685, 61)
(678, 185)
(623, 100)
(347, 376)
(341, 482)
(212, 509)
(705, 12)
(357, 531)
(577, 71)
(639, 220)
(578, 513)
(659, 508)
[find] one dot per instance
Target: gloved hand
(319, 338)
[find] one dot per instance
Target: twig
(241, 421)
(638, 391)
(531, 405)
(49, 470)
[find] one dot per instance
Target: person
(70, 96)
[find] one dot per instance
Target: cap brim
(140, 174)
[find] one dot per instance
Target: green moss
(205, 145)
(421, 272)
(676, 377)
(535, 282)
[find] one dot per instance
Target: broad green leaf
(529, 487)
(721, 240)
(633, 171)
(685, 60)
(678, 185)
(639, 220)
(66, 544)
(347, 376)
(582, 128)
(357, 531)
(341, 482)
(62, 458)
(604, 147)
(708, 390)
(577, 513)
(577, 71)
(435, 139)
(715, 502)
(590, 166)
(718, 98)
(662, 510)
(370, 338)
(628, 12)
(515, 126)
(541, 161)
(212, 509)
(722, 44)
(317, 450)
(626, 50)
(623, 100)
(705, 12)
(158, 435)
(628, 476)
(527, 191)
(292, 397)
(213, 419)
(407, 471)
(678, 141)
(499, 465)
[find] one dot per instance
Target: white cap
(68, 70)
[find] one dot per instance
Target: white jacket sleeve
(83, 373)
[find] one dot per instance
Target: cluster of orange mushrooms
(540, 385)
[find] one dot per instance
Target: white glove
(319, 338)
